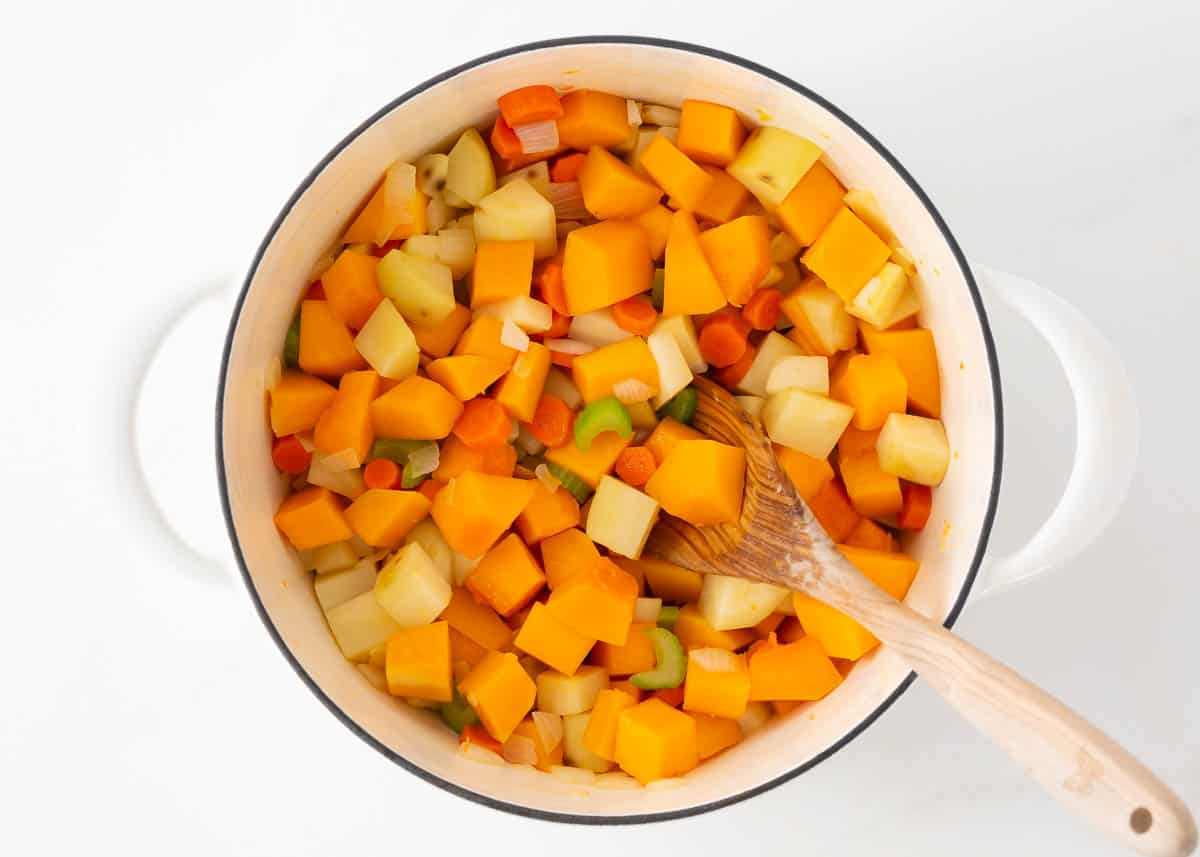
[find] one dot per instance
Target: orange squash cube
(465, 376)
(482, 339)
(326, 344)
(597, 372)
(694, 632)
(478, 622)
(500, 691)
(868, 534)
(438, 340)
(600, 736)
(809, 475)
(598, 460)
(668, 581)
(508, 577)
(565, 553)
(714, 734)
(656, 221)
(552, 642)
(521, 389)
(418, 662)
(717, 683)
(725, 198)
(597, 601)
(592, 119)
(415, 409)
(458, 458)
(611, 188)
(654, 741)
(874, 386)
(793, 671)
(605, 263)
(637, 655)
(665, 435)
(378, 222)
(382, 517)
(297, 402)
(873, 493)
(916, 354)
(833, 510)
(681, 177)
(711, 133)
(739, 254)
(891, 572)
(464, 650)
(346, 423)
(701, 481)
(855, 441)
(502, 270)
(690, 286)
(846, 254)
(474, 509)
(351, 289)
(312, 518)
(547, 514)
(811, 204)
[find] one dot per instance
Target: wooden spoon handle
(1072, 759)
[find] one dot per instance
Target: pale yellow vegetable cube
(517, 212)
(338, 587)
(529, 315)
(731, 602)
(422, 289)
(805, 372)
(359, 625)
(673, 371)
(752, 405)
(877, 300)
(774, 347)
(683, 331)
(387, 343)
(913, 448)
(575, 751)
(806, 422)
(570, 694)
(770, 163)
(332, 557)
(411, 589)
(429, 537)
(621, 517)
(470, 174)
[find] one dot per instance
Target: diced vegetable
(874, 386)
(728, 602)
(822, 325)
(470, 175)
(566, 553)
(597, 601)
(429, 537)
(351, 289)
(600, 736)
(739, 254)
(476, 508)
(575, 751)
(605, 263)
(794, 671)
(415, 409)
(832, 508)
(517, 212)
(602, 415)
(611, 189)
(718, 683)
(771, 162)
(418, 662)
(701, 481)
(466, 376)
(635, 465)
(666, 434)
(914, 449)
(805, 421)
(916, 353)
(382, 518)
(879, 299)
(654, 741)
(501, 693)
(421, 289)
(668, 616)
(670, 662)
(873, 492)
(690, 286)
(338, 587)
(410, 588)
(552, 642)
(597, 328)
(621, 517)
(312, 518)
(573, 694)
(360, 625)
(799, 372)
(326, 345)
(711, 133)
(915, 507)
(529, 315)
(846, 255)
(297, 402)
(503, 269)
(592, 118)
(458, 714)
(809, 475)
(341, 480)
(752, 405)
(811, 204)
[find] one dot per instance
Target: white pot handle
(1106, 432)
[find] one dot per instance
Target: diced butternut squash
(605, 263)
(694, 631)
(566, 553)
(477, 622)
(552, 642)
(415, 409)
(822, 325)
(501, 692)
(351, 289)
(503, 269)
(666, 434)
(594, 463)
(457, 457)
(600, 737)
(508, 577)
(833, 510)
(465, 376)
(381, 221)
(621, 517)
(482, 339)
(654, 741)
(592, 119)
(465, 650)
(846, 254)
(547, 514)
(668, 581)
(806, 422)
(891, 572)
(418, 662)
(916, 353)
(521, 388)
(656, 221)
(856, 441)
(438, 340)
(792, 671)
(874, 386)
(874, 493)
(346, 423)
(701, 481)
(297, 402)
(690, 286)
(812, 203)
(474, 509)
(326, 344)
(597, 601)
(637, 655)
(545, 757)
(739, 254)
(714, 734)
(681, 177)
(382, 517)
(611, 188)
(632, 567)
(809, 475)
(717, 683)
(914, 449)
(868, 534)
(710, 133)
(311, 518)
(726, 197)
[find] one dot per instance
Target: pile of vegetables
(486, 407)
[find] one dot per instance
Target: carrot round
(482, 424)
(723, 338)
(316, 291)
(551, 421)
(730, 376)
(381, 473)
(568, 167)
(504, 140)
(917, 501)
(636, 315)
(549, 281)
(530, 104)
(500, 460)
(289, 455)
(430, 488)
(635, 465)
(762, 311)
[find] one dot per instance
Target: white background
(146, 150)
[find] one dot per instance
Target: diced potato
(411, 589)
(387, 343)
(822, 324)
(683, 331)
(752, 405)
(526, 313)
(338, 587)
(774, 347)
(805, 422)
(429, 537)
(348, 483)
(877, 301)
(597, 328)
(422, 289)
(574, 750)
(673, 371)
(332, 557)
(566, 695)
(517, 212)
(470, 175)
(621, 517)
(731, 602)
(914, 448)
(771, 162)
(800, 373)
(359, 625)
(867, 207)
(453, 247)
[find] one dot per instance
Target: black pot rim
(985, 531)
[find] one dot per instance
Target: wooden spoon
(777, 540)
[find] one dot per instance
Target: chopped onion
(632, 390)
(526, 313)
(559, 383)
(616, 780)
(424, 460)
(575, 776)
(567, 199)
(537, 137)
(527, 443)
(656, 114)
(513, 336)
(273, 373)
(647, 610)
(633, 112)
(543, 474)
(756, 716)
(345, 459)
(306, 440)
(348, 483)
(597, 328)
(549, 729)
(569, 346)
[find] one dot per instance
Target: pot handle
(1106, 432)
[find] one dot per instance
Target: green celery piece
(607, 414)
(457, 713)
(396, 450)
(408, 479)
(659, 289)
(291, 344)
(579, 489)
(671, 660)
(667, 616)
(681, 407)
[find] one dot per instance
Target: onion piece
(424, 460)
(345, 459)
(527, 443)
(656, 114)
(348, 483)
(567, 199)
(476, 753)
(549, 729)
(513, 336)
(633, 112)
(537, 137)
(632, 390)
(543, 474)
(569, 346)
(520, 750)
(647, 610)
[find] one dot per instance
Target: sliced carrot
(552, 421)
(504, 140)
(430, 488)
(636, 315)
(560, 326)
(316, 291)
(566, 168)
(723, 338)
(290, 456)
(731, 376)
(535, 103)
(385, 248)
(482, 424)
(478, 735)
(917, 501)
(549, 279)
(635, 465)
(500, 460)
(762, 311)
(382, 473)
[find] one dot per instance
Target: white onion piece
(597, 328)
(543, 474)
(569, 346)
(632, 390)
(526, 313)
(537, 137)
(549, 729)
(513, 336)
(656, 114)
(273, 373)
(647, 610)
(567, 199)
(424, 460)
(527, 443)
(348, 483)
(345, 459)
(519, 750)
(633, 112)
(715, 660)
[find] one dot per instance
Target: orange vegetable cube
(665, 435)
(546, 756)
(312, 518)
(456, 458)
(714, 734)
(701, 481)
(482, 339)
(628, 689)
(868, 534)
(846, 254)
(874, 386)
(694, 632)
(500, 691)
(548, 513)
(382, 517)
(566, 553)
(670, 582)
(552, 642)
(611, 188)
(855, 441)
(809, 475)
(792, 671)
(873, 493)
(521, 388)
(637, 655)
(811, 204)
(681, 177)
(508, 577)
(601, 734)
(656, 221)
(632, 567)
(326, 344)
(596, 372)
(592, 119)
(605, 263)
(717, 683)
(916, 354)
(464, 650)
(502, 269)
(711, 133)
(351, 289)
(474, 509)
(597, 461)
(597, 601)
(833, 510)
(654, 741)
(346, 423)
(690, 286)
(479, 623)
(437, 340)
(297, 402)
(739, 254)
(725, 198)
(379, 222)
(891, 572)
(415, 409)
(418, 662)
(465, 376)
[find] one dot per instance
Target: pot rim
(997, 405)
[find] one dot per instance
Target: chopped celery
(409, 479)
(291, 344)
(607, 414)
(457, 713)
(681, 407)
(667, 616)
(396, 450)
(671, 662)
(579, 489)
(659, 288)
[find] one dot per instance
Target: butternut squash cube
(465, 650)
(482, 339)
(682, 178)
(546, 757)
(846, 254)
(714, 734)
(297, 402)
(874, 386)
(503, 269)
(457, 458)
(466, 376)
(382, 517)
(711, 133)
(605, 263)
(595, 462)
(809, 475)
(418, 662)
(725, 198)
(438, 340)
(621, 517)
(312, 518)
(666, 435)
(654, 741)
(500, 691)
(874, 493)
(477, 622)
(701, 481)
(689, 285)
(566, 553)
(637, 655)
(868, 534)
(833, 510)
(350, 287)
(668, 581)
(914, 448)
(521, 388)
(694, 631)
(611, 188)
(597, 601)
(389, 215)
(326, 345)
(812, 203)
(475, 509)
(656, 221)
(415, 409)
(552, 642)
(739, 254)
(508, 577)
(916, 353)
(346, 423)
(796, 671)
(547, 514)
(600, 737)
(592, 119)
(717, 683)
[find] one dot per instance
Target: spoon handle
(1072, 759)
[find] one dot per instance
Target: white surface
(148, 147)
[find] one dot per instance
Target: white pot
(951, 550)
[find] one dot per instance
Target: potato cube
(914, 448)
(803, 372)
(575, 751)
(774, 348)
(771, 162)
(673, 371)
(566, 695)
(421, 289)
(683, 331)
(338, 587)
(360, 625)
(727, 603)
(621, 517)
(877, 302)
(411, 589)
(517, 212)
(805, 421)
